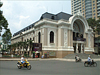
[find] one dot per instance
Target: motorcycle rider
(22, 60)
(89, 59)
(77, 58)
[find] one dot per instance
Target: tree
(25, 45)
(6, 37)
(92, 23)
(3, 21)
(4, 25)
(30, 44)
(98, 25)
(95, 25)
(13, 47)
(9, 48)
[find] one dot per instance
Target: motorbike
(79, 60)
(87, 63)
(26, 65)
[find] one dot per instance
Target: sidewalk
(39, 59)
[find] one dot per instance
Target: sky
(21, 13)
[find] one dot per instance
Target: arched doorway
(78, 36)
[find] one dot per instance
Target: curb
(39, 59)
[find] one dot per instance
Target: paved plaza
(49, 67)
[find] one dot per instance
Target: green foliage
(6, 56)
(1, 4)
(6, 37)
(25, 54)
(2, 50)
(30, 43)
(98, 25)
(23, 45)
(92, 23)
(9, 47)
(3, 21)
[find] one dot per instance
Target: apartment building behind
(89, 8)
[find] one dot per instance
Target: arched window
(33, 38)
(27, 39)
(39, 37)
(52, 17)
(30, 39)
(41, 18)
(51, 37)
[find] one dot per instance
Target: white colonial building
(61, 33)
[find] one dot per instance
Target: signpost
(37, 47)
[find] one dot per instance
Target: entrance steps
(81, 55)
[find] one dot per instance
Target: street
(49, 67)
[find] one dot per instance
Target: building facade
(89, 8)
(2, 46)
(61, 33)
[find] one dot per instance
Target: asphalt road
(49, 67)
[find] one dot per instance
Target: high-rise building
(89, 8)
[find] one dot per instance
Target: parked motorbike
(87, 63)
(26, 65)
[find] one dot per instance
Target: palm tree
(30, 44)
(25, 45)
(13, 47)
(20, 45)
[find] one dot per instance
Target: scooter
(87, 63)
(78, 60)
(26, 65)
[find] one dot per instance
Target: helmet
(89, 55)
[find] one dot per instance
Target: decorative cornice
(52, 22)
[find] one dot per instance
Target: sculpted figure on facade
(65, 37)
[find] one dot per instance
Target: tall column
(76, 47)
(81, 48)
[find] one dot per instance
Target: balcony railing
(79, 39)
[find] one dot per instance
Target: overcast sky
(21, 13)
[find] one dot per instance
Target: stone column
(81, 48)
(76, 47)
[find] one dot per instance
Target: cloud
(20, 14)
